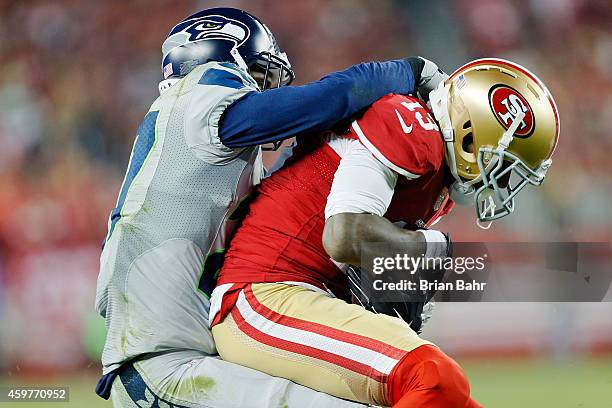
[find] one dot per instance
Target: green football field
(541, 384)
(495, 383)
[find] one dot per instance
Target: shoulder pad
(400, 132)
(213, 88)
(226, 75)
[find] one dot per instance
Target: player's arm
(277, 114)
(346, 234)
(361, 193)
(396, 137)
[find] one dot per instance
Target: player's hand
(413, 313)
(427, 75)
(439, 244)
(431, 76)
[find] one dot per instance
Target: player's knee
(428, 377)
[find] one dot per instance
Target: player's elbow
(239, 122)
(338, 238)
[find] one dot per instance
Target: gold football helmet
(500, 126)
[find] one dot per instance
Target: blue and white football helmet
(226, 35)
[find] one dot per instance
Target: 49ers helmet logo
(506, 103)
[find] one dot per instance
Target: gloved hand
(427, 76)
(415, 313)
(415, 308)
(439, 244)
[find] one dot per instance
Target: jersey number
(426, 122)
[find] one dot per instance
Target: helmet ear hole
(467, 144)
(467, 125)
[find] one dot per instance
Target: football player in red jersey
(279, 306)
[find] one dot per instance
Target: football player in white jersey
(195, 158)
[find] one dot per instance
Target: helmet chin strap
(438, 101)
(239, 60)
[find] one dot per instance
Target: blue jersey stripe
(221, 77)
(139, 391)
(246, 78)
(145, 139)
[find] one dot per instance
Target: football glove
(427, 76)
(415, 313)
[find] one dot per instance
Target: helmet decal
(215, 28)
(506, 103)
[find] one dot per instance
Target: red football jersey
(400, 132)
(280, 239)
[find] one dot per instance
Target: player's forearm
(282, 113)
(346, 235)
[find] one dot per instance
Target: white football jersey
(167, 232)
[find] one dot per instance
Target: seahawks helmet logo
(216, 28)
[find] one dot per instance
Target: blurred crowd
(76, 77)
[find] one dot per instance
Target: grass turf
(505, 383)
(583, 383)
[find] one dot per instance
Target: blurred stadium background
(76, 76)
